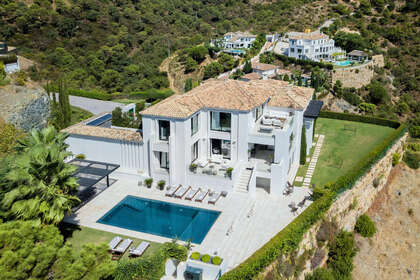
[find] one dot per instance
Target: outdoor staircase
(242, 182)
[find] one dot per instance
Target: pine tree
(303, 146)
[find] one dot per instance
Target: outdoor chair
(266, 129)
(122, 247)
(302, 203)
(191, 193)
(214, 197)
(277, 123)
(140, 249)
(201, 195)
(114, 242)
(181, 191)
(171, 191)
(266, 121)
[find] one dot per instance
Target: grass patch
(78, 114)
(126, 100)
(79, 235)
(345, 143)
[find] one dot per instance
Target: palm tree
(38, 184)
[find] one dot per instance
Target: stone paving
(313, 162)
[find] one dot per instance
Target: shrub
(6, 59)
(320, 274)
(365, 226)
(396, 158)
(148, 182)
(303, 146)
(212, 70)
(193, 167)
(80, 156)
(195, 256)
(229, 171)
(412, 159)
(175, 251)
(410, 212)
(161, 184)
(216, 260)
(340, 256)
(205, 258)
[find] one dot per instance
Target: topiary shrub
(195, 256)
(80, 156)
(320, 274)
(365, 226)
(161, 184)
(205, 258)
(216, 260)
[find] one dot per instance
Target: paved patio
(244, 225)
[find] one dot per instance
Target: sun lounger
(140, 249)
(114, 242)
(201, 195)
(214, 197)
(181, 191)
(266, 129)
(171, 191)
(277, 123)
(266, 121)
(191, 193)
(123, 246)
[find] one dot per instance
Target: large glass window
(194, 151)
(194, 124)
(164, 130)
(220, 121)
(221, 147)
(164, 160)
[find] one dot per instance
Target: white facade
(313, 46)
(238, 40)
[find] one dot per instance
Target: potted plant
(148, 182)
(161, 184)
(229, 171)
(205, 258)
(216, 260)
(195, 256)
(193, 167)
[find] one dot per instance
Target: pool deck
(250, 222)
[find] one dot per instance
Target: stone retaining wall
(344, 211)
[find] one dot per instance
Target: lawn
(79, 235)
(78, 115)
(344, 145)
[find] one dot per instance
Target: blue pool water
(161, 218)
(342, 63)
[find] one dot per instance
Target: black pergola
(89, 173)
(313, 109)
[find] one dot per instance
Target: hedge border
(288, 239)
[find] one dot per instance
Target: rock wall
(26, 108)
(356, 76)
(354, 202)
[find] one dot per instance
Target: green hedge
(303, 62)
(288, 239)
(6, 59)
(149, 94)
(359, 118)
(94, 94)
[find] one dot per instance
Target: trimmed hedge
(12, 58)
(359, 118)
(94, 94)
(150, 94)
(288, 239)
(303, 62)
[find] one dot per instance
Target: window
(292, 49)
(164, 160)
(220, 121)
(194, 124)
(164, 130)
(258, 112)
(220, 147)
(194, 151)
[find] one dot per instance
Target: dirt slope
(394, 251)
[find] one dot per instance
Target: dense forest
(118, 45)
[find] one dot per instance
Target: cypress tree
(188, 85)
(303, 146)
(247, 67)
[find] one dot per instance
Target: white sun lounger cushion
(123, 246)
(114, 242)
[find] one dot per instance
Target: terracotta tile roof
(252, 76)
(263, 66)
(103, 132)
(283, 72)
(357, 53)
(231, 95)
(307, 36)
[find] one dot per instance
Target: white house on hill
(238, 40)
(224, 134)
(314, 46)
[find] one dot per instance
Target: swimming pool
(161, 218)
(343, 63)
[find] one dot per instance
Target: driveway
(93, 105)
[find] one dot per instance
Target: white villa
(249, 129)
(314, 46)
(238, 40)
